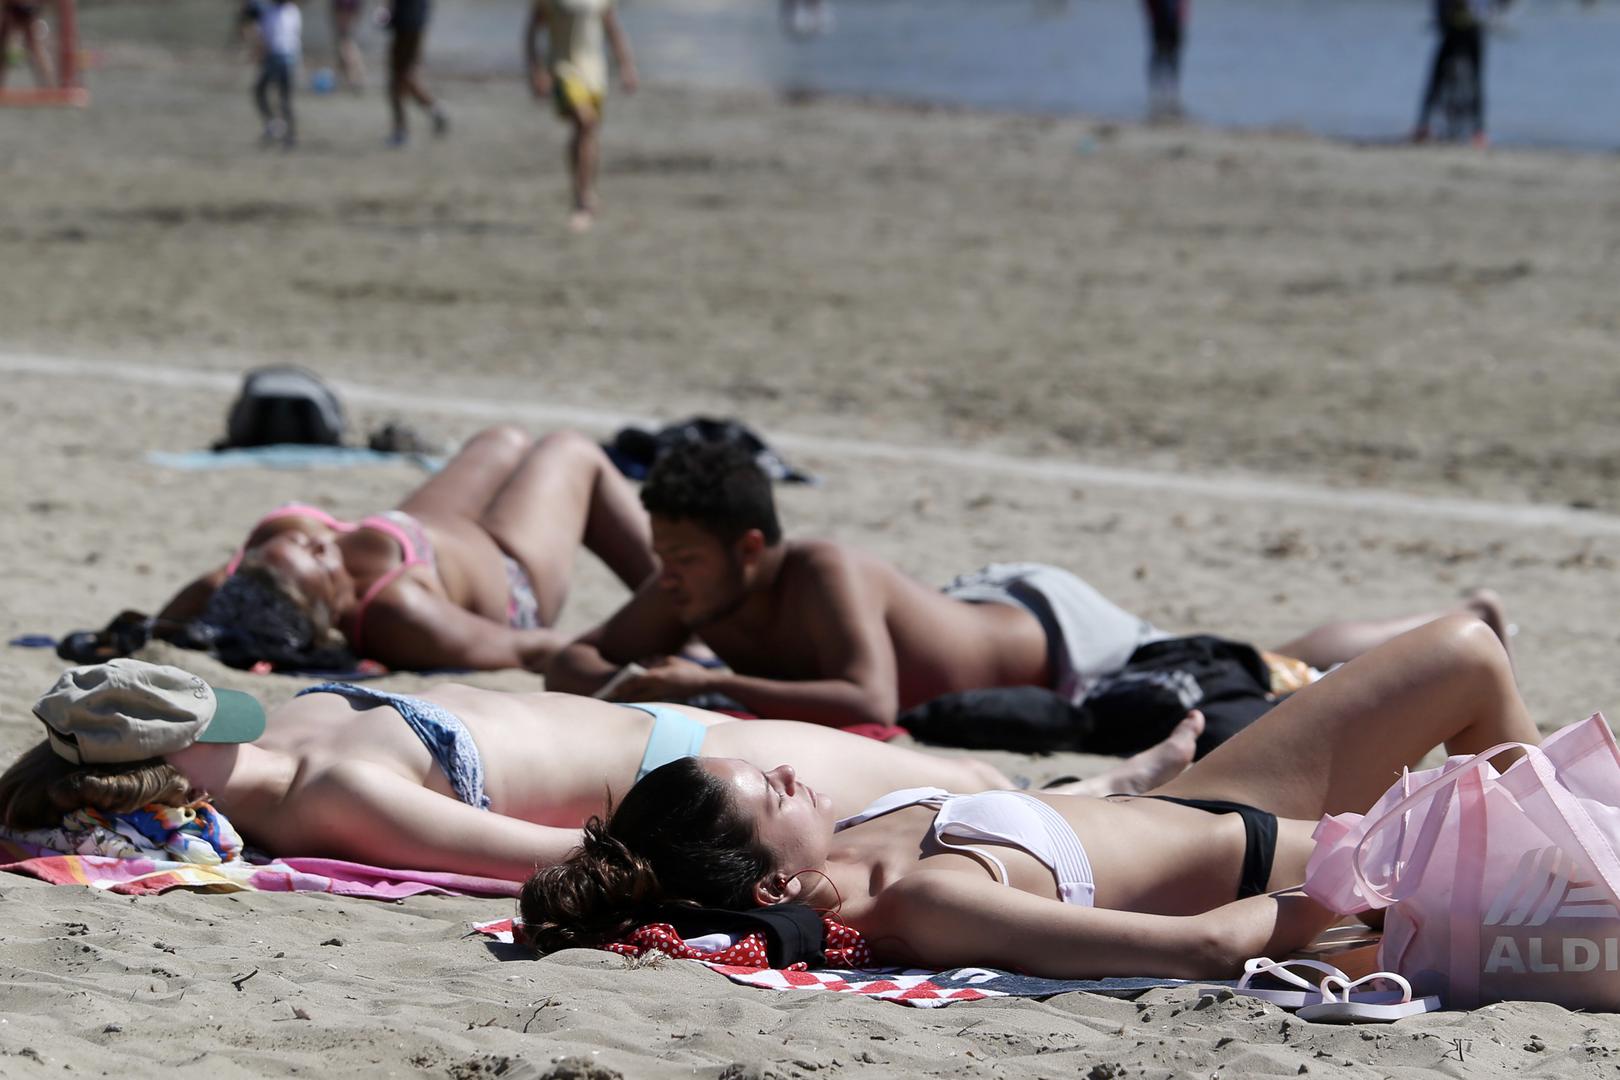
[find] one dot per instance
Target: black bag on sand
(124, 636)
(1130, 711)
(635, 451)
(283, 405)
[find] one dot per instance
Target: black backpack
(283, 405)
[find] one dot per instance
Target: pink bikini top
(414, 547)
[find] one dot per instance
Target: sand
(1306, 352)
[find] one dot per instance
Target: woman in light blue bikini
(455, 778)
(1176, 883)
(469, 572)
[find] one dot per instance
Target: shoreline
(461, 67)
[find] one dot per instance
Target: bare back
(939, 644)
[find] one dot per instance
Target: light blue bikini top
(1004, 817)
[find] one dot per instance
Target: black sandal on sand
(128, 631)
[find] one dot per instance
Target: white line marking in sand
(1235, 487)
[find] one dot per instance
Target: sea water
(1346, 68)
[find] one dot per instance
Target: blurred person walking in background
(575, 76)
(407, 22)
(281, 29)
(346, 54)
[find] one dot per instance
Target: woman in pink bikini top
(470, 571)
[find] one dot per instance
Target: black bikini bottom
(1259, 838)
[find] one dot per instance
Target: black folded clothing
(793, 932)
(1130, 711)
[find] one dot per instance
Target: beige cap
(130, 710)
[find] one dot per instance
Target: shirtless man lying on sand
(454, 778)
(817, 631)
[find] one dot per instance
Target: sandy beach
(1242, 383)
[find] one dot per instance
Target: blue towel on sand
(288, 456)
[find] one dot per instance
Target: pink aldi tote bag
(1499, 886)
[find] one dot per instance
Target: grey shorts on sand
(1088, 636)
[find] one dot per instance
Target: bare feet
(581, 221)
(1147, 770)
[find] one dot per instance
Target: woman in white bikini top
(1000, 817)
(1052, 885)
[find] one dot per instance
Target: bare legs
(469, 481)
(1339, 743)
(584, 150)
(351, 68)
(566, 492)
(1147, 770)
(404, 56)
(1335, 642)
(32, 29)
(540, 500)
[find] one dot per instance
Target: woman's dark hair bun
(676, 838)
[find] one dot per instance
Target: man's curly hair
(719, 486)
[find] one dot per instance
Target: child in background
(281, 28)
(575, 74)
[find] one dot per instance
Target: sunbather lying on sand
(455, 778)
(1174, 883)
(816, 630)
(469, 572)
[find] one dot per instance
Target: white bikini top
(1007, 817)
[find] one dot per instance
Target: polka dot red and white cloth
(845, 946)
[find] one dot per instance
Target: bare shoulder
(821, 560)
(905, 917)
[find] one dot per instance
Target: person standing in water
(1457, 75)
(1167, 21)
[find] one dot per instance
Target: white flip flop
(1339, 1003)
(1305, 993)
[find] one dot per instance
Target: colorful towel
(187, 834)
(908, 986)
(138, 876)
